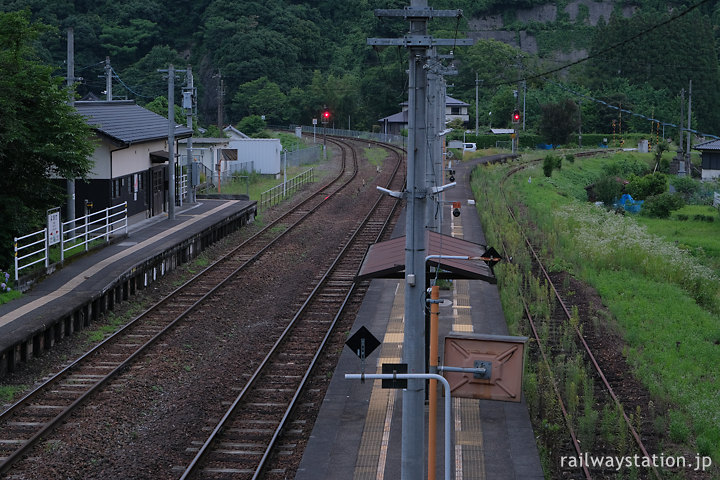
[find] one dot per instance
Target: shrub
(641, 188)
(626, 166)
(660, 206)
(547, 166)
(607, 189)
(551, 163)
(685, 186)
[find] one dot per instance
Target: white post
(47, 248)
(107, 224)
(16, 258)
(62, 242)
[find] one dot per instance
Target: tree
(252, 126)
(41, 137)
(559, 120)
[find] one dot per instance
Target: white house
(396, 123)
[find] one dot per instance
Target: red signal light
(516, 116)
(326, 114)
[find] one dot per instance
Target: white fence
(74, 235)
(278, 193)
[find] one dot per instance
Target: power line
(624, 110)
(115, 75)
(615, 45)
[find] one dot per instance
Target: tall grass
(663, 294)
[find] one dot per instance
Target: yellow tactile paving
(469, 460)
(469, 455)
(372, 456)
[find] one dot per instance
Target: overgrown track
(241, 443)
(36, 415)
(574, 445)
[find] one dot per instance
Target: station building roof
(126, 123)
(387, 259)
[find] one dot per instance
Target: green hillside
(286, 60)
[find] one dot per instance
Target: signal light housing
(516, 116)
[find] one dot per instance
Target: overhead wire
(613, 46)
(624, 110)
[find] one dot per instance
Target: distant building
(235, 153)
(454, 109)
(710, 155)
(130, 158)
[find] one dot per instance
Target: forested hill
(287, 59)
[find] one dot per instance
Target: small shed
(710, 156)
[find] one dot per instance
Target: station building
(130, 158)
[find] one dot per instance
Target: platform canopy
(387, 259)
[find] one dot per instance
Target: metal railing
(319, 131)
(303, 156)
(31, 253)
(77, 234)
(92, 227)
(278, 193)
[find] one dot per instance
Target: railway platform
(76, 294)
(357, 434)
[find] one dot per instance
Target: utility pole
(171, 139)
(70, 202)
(579, 123)
(680, 154)
(220, 99)
(188, 104)
(417, 41)
(477, 92)
(689, 133)
(108, 80)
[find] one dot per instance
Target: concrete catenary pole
(413, 425)
(417, 41)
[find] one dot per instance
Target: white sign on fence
(716, 199)
(53, 228)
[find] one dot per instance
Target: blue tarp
(543, 146)
(629, 204)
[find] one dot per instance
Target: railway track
(574, 444)
(35, 416)
(242, 441)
